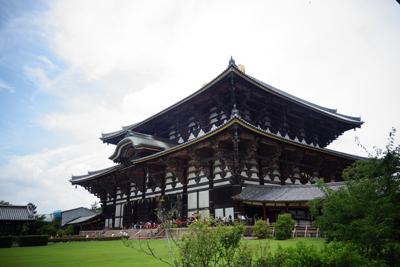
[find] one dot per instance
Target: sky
(71, 70)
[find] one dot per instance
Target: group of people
(243, 218)
(144, 225)
(224, 219)
(121, 233)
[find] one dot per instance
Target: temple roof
(16, 213)
(232, 68)
(283, 193)
(234, 119)
(139, 141)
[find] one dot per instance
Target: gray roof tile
(16, 213)
(235, 116)
(283, 193)
(332, 112)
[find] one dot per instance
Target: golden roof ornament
(241, 68)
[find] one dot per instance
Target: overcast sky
(70, 70)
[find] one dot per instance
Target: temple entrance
(254, 212)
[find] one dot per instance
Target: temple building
(235, 146)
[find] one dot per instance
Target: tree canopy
(365, 211)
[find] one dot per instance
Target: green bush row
(334, 254)
(33, 240)
(5, 241)
(65, 240)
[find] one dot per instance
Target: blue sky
(70, 70)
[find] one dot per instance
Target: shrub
(6, 241)
(334, 254)
(70, 230)
(262, 230)
(66, 240)
(33, 240)
(207, 246)
(60, 232)
(284, 226)
(48, 229)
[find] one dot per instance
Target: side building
(203, 151)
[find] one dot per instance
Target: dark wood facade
(233, 132)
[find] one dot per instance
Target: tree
(2, 202)
(284, 226)
(206, 243)
(96, 207)
(366, 210)
(70, 230)
(48, 229)
(38, 217)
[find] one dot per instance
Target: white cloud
(49, 64)
(43, 178)
(125, 61)
(3, 85)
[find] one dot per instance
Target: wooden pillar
(211, 206)
(185, 202)
(211, 197)
(287, 207)
(236, 190)
(114, 205)
(185, 193)
(265, 212)
(128, 199)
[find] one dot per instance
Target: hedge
(89, 239)
(6, 241)
(33, 240)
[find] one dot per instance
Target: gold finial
(241, 68)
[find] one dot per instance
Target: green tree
(2, 202)
(262, 229)
(96, 207)
(284, 226)
(47, 229)
(38, 217)
(70, 230)
(366, 210)
(208, 246)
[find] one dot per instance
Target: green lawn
(107, 253)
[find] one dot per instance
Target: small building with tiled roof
(12, 217)
(208, 148)
(285, 198)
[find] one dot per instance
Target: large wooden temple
(235, 132)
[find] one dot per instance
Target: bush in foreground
(334, 254)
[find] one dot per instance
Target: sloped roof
(234, 119)
(142, 141)
(283, 193)
(16, 213)
(72, 214)
(233, 68)
(83, 219)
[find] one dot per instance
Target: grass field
(107, 253)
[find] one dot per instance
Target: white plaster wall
(203, 199)
(229, 211)
(192, 200)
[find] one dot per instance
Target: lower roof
(234, 119)
(84, 219)
(16, 213)
(283, 193)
